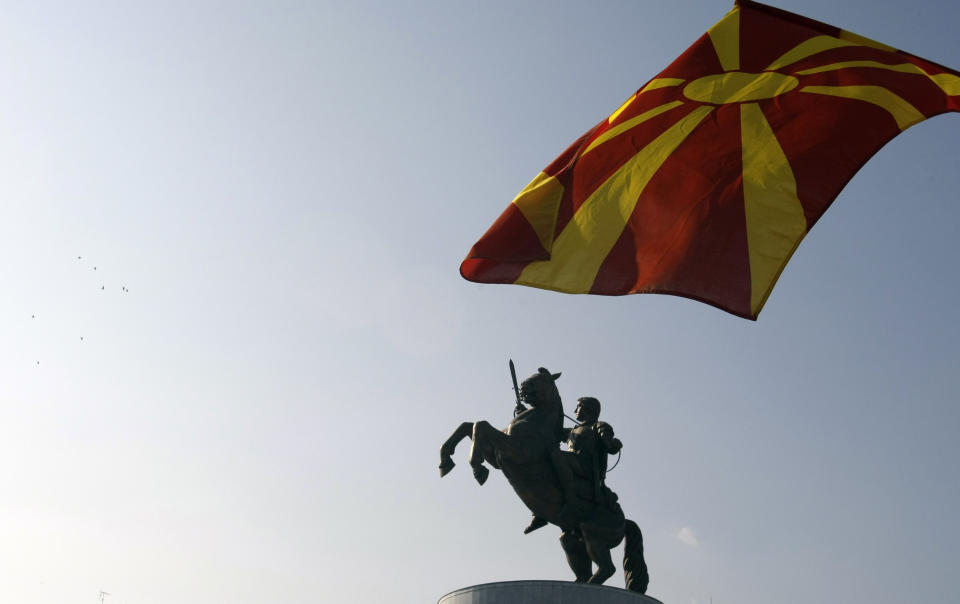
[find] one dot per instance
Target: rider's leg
(563, 464)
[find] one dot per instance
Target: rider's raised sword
(516, 390)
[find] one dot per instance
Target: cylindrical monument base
(544, 592)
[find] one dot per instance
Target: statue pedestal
(544, 592)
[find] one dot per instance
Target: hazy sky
(233, 334)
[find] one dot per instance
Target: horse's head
(540, 388)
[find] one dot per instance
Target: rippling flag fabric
(704, 182)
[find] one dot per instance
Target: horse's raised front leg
(450, 445)
(487, 441)
(481, 447)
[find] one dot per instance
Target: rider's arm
(611, 444)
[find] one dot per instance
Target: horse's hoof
(446, 464)
(481, 473)
(601, 575)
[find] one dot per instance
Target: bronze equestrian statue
(565, 488)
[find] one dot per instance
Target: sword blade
(513, 376)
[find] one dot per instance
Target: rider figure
(585, 461)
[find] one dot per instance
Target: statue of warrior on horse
(565, 488)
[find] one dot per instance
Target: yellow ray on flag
(903, 112)
(775, 220)
(581, 247)
(900, 67)
(658, 83)
(725, 37)
(949, 83)
(538, 203)
(806, 49)
(630, 124)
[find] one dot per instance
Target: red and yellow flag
(704, 182)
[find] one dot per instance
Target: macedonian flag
(704, 182)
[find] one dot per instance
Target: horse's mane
(549, 396)
(549, 380)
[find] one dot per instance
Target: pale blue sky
(287, 189)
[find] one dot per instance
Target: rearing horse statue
(523, 452)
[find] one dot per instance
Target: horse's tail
(634, 566)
